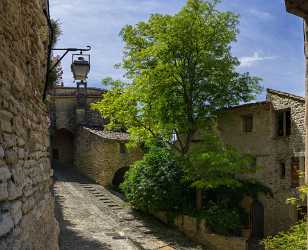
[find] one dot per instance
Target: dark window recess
(247, 123)
(280, 122)
(295, 172)
(284, 123)
(122, 148)
(55, 154)
(288, 122)
(282, 170)
(253, 163)
(301, 212)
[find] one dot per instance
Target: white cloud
(261, 14)
(98, 23)
(249, 61)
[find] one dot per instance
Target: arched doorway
(62, 148)
(118, 177)
(257, 220)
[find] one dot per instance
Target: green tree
(180, 71)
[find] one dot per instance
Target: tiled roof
(247, 105)
(269, 91)
(118, 136)
(276, 92)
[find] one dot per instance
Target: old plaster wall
(198, 231)
(99, 156)
(26, 204)
(63, 107)
(269, 150)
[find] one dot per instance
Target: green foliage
(211, 164)
(181, 72)
(294, 239)
(56, 29)
(222, 220)
(154, 183)
(55, 76)
(229, 199)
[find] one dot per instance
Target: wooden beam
(297, 7)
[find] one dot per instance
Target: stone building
(26, 204)
(103, 156)
(67, 114)
(273, 132)
(78, 139)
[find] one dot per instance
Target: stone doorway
(62, 148)
(257, 220)
(118, 177)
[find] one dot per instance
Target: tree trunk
(199, 199)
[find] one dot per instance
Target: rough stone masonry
(26, 204)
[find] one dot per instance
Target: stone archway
(118, 177)
(62, 148)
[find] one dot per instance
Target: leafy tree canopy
(181, 72)
(212, 165)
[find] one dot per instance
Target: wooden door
(257, 220)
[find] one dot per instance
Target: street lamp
(80, 66)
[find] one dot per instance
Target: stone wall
(26, 203)
(269, 150)
(63, 107)
(197, 230)
(98, 154)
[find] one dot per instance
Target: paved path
(93, 218)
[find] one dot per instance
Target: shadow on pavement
(159, 230)
(70, 239)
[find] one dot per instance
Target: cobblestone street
(92, 217)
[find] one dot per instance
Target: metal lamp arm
(65, 53)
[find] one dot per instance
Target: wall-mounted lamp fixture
(80, 65)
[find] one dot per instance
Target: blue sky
(270, 43)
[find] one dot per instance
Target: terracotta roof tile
(118, 136)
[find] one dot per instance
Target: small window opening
(284, 123)
(247, 123)
(122, 148)
(282, 170)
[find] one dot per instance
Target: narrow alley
(92, 217)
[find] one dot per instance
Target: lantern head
(80, 67)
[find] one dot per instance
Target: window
(282, 170)
(295, 172)
(284, 123)
(122, 148)
(247, 123)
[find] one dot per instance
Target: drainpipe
(306, 107)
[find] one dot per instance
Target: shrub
(222, 220)
(294, 239)
(154, 183)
